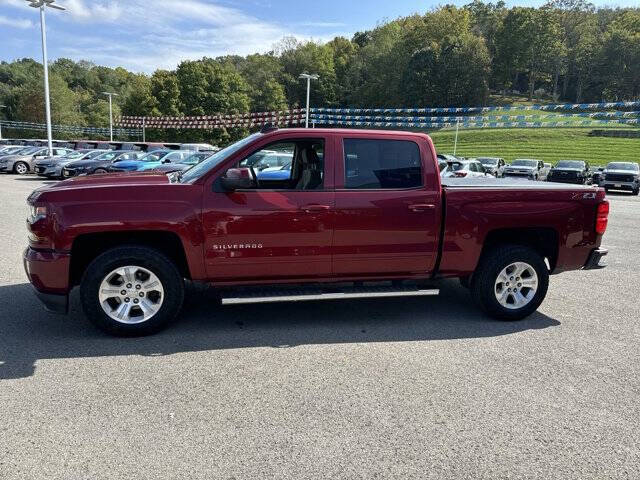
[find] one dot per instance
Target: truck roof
(349, 131)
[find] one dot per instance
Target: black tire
(636, 191)
(100, 170)
(490, 266)
(148, 258)
(22, 167)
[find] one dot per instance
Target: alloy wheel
(131, 294)
(516, 285)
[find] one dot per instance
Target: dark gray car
(51, 167)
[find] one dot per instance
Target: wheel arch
(87, 247)
(544, 240)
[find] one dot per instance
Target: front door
(281, 229)
(387, 209)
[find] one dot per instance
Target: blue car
(275, 173)
(176, 161)
(151, 160)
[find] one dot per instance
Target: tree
(165, 89)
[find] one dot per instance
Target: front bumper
(518, 174)
(595, 260)
(48, 272)
(631, 186)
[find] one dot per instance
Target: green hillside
(548, 144)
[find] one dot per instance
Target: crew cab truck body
(360, 206)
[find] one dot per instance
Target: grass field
(548, 144)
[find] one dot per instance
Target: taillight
(460, 174)
(602, 217)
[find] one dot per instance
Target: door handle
(421, 207)
(315, 208)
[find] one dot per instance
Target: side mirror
(166, 160)
(238, 179)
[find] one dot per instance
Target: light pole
(1, 106)
(110, 94)
(47, 104)
(309, 77)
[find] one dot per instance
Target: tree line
(566, 51)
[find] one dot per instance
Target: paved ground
(406, 388)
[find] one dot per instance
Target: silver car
(527, 168)
(51, 167)
(24, 161)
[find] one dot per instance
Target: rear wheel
(21, 168)
(510, 282)
(129, 291)
(100, 170)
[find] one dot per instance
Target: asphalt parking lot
(407, 388)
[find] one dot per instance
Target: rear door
(387, 207)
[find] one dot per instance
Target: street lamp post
(110, 94)
(308, 77)
(1, 106)
(41, 4)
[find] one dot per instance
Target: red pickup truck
(352, 212)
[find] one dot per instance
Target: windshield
(94, 154)
(29, 150)
(492, 162)
(74, 155)
(203, 167)
(154, 156)
(570, 164)
(525, 163)
(196, 158)
(107, 156)
(623, 166)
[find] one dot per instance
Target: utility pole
(110, 94)
(308, 77)
(41, 4)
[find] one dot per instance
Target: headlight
(36, 212)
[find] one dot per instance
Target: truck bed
(519, 183)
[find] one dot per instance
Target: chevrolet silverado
(362, 212)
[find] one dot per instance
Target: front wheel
(131, 290)
(510, 282)
(99, 170)
(21, 168)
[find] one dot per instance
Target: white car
(465, 169)
(493, 165)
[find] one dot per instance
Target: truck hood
(563, 169)
(624, 172)
(119, 180)
(517, 167)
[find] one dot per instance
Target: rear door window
(381, 164)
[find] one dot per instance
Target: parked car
(621, 176)
(185, 164)
(275, 173)
(526, 168)
(23, 162)
(465, 169)
(199, 147)
(99, 164)
(153, 159)
(570, 171)
(51, 167)
(276, 159)
(493, 165)
(376, 213)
